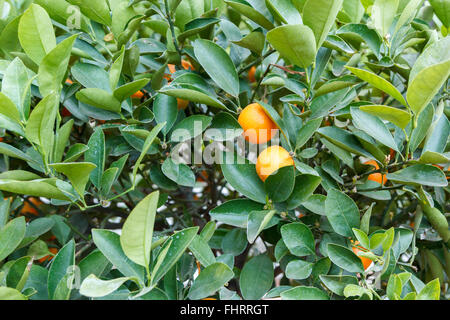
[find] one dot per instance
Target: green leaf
(374, 127)
(342, 212)
(190, 127)
(256, 277)
(298, 238)
(201, 250)
(61, 140)
(179, 173)
(254, 41)
(64, 259)
(108, 242)
(430, 71)
(127, 90)
(362, 237)
(383, 14)
(280, 184)
(379, 83)
(304, 293)
(344, 258)
(235, 212)
(96, 155)
(36, 33)
(210, 280)
(192, 93)
(305, 185)
(359, 33)
(13, 152)
(53, 67)
(242, 176)
(94, 287)
(8, 108)
(295, 43)
(177, 243)
(40, 125)
(244, 8)
(166, 111)
(284, 11)
(137, 231)
(10, 236)
(441, 9)
(337, 283)
(343, 139)
(257, 222)
(38, 188)
(97, 11)
(320, 16)
(399, 117)
(16, 86)
(99, 98)
(77, 172)
(431, 291)
(307, 131)
(11, 294)
(424, 122)
(218, 65)
(419, 174)
(299, 269)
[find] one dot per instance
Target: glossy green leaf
(344, 258)
(383, 14)
(10, 236)
(256, 277)
(235, 212)
(295, 43)
(99, 98)
(342, 212)
(63, 260)
(257, 222)
(210, 280)
(77, 172)
(304, 293)
(94, 287)
(419, 174)
(137, 231)
(399, 117)
(298, 238)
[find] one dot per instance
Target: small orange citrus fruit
(30, 209)
(257, 125)
(377, 177)
(272, 159)
(365, 261)
(251, 74)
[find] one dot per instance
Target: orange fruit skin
(377, 177)
(182, 104)
(209, 299)
(138, 95)
(68, 81)
(1, 139)
(272, 159)
(28, 208)
(49, 257)
(258, 127)
(251, 74)
(365, 261)
(65, 112)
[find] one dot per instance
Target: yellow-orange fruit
(138, 95)
(365, 261)
(251, 74)
(272, 159)
(257, 125)
(30, 209)
(377, 177)
(182, 104)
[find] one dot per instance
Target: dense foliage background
(93, 204)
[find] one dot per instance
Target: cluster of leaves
(86, 164)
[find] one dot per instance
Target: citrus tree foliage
(94, 205)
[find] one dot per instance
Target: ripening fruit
(28, 208)
(377, 177)
(138, 95)
(365, 261)
(68, 81)
(258, 127)
(49, 257)
(65, 112)
(251, 74)
(272, 159)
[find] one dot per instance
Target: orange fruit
(182, 104)
(272, 159)
(1, 139)
(251, 74)
(365, 261)
(30, 209)
(209, 299)
(68, 81)
(392, 154)
(300, 215)
(257, 125)
(377, 177)
(49, 257)
(138, 95)
(203, 175)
